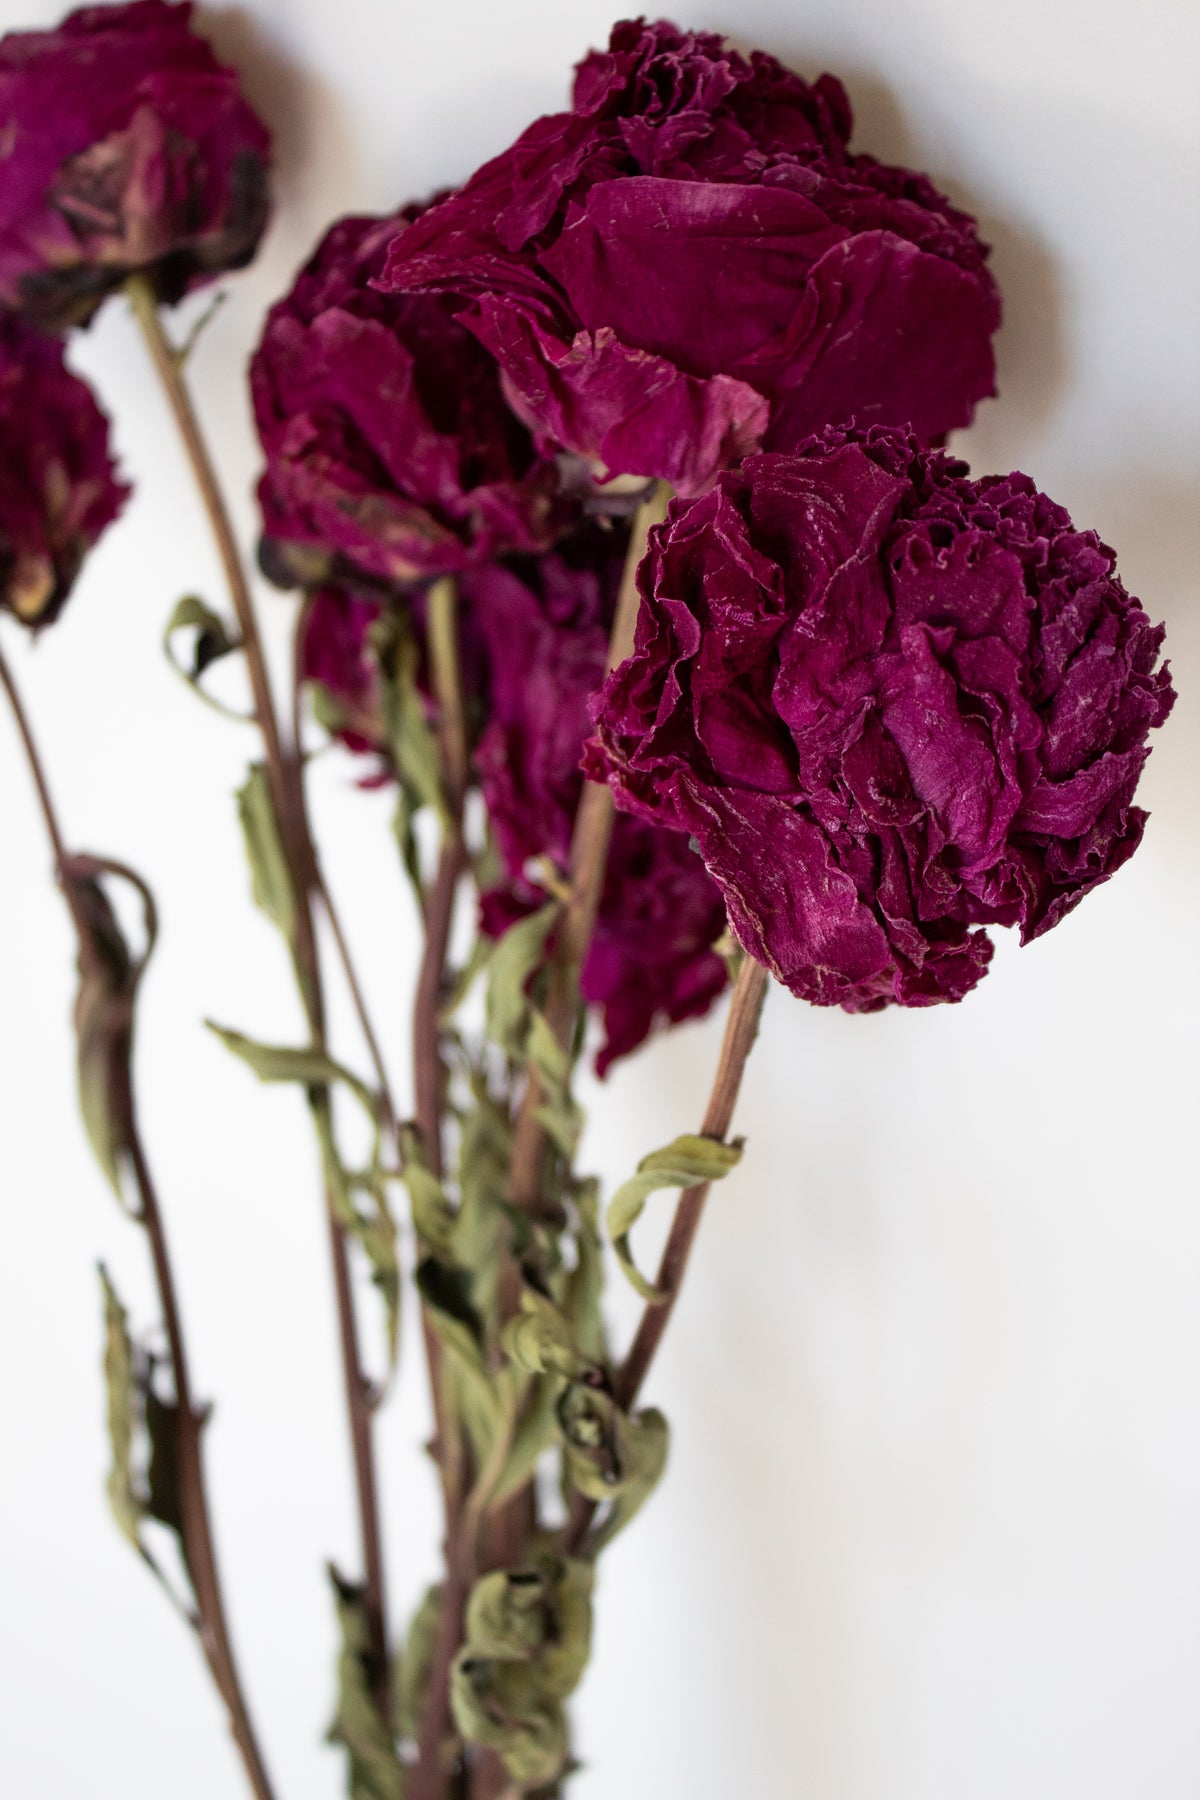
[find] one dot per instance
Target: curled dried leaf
(109, 973)
(684, 1163)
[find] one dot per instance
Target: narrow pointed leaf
(121, 1388)
(270, 878)
(374, 1768)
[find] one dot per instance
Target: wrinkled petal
(890, 705)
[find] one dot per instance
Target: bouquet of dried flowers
(630, 558)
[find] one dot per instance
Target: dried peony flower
(391, 453)
(58, 487)
(889, 704)
(546, 627)
(127, 147)
(691, 263)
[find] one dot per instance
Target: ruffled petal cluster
(392, 455)
(890, 705)
(691, 264)
(127, 147)
(58, 484)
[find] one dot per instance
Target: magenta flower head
(546, 626)
(58, 487)
(890, 705)
(127, 147)
(691, 263)
(391, 453)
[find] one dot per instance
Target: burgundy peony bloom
(546, 629)
(391, 453)
(58, 487)
(889, 704)
(691, 263)
(127, 147)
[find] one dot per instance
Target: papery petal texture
(392, 454)
(692, 264)
(889, 705)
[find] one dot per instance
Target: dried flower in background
(58, 486)
(127, 148)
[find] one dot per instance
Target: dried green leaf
(214, 640)
(375, 1771)
(270, 877)
(506, 1615)
(559, 1115)
(451, 1311)
(517, 957)
(528, 1635)
(496, 1704)
(540, 1340)
(585, 1284)
(372, 1226)
(434, 1219)
(565, 1655)
(461, 981)
(283, 1062)
(122, 1389)
(109, 974)
(683, 1163)
(411, 738)
(613, 1458)
(482, 1223)
(376, 1232)
(407, 806)
(416, 1663)
(535, 1431)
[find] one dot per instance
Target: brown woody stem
(741, 1029)
(195, 1522)
(285, 778)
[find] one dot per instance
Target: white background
(932, 1525)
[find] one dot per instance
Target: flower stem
(589, 856)
(741, 1029)
(430, 1776)
(196, 1532)
(285, 780)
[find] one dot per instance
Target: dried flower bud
(58, 488)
